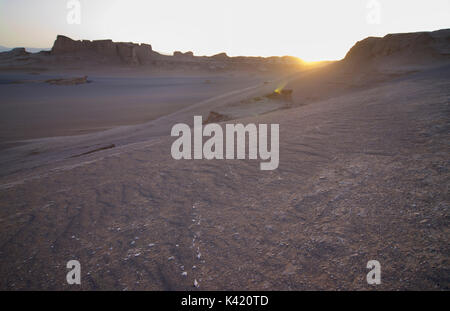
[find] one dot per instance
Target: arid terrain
(86, 171)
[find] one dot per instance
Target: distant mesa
(107, 52)
(222, 56)
(421, 48)
(19, 52)
(129, 53)
(181, 54)
(69, 53)
(27, 49)
(16, 52)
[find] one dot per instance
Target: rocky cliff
(404, 48)
(128, 53)
(107, 52)
(391, 51)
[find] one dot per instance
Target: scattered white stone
(151, 244)
(132, 242)
(170, 258)
(136, 255)
(184, 273)
(196, 284)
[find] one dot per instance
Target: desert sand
(363, 175)
(32, 108)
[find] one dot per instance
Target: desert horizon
(125, 167)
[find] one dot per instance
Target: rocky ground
(363, 176)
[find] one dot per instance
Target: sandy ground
(363, 176)
(30, 109)
(190, 95)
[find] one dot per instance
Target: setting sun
(312, 30)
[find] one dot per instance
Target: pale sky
(309, 29)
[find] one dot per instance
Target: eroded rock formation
(128, 53)
(419, 47)
(107, 52)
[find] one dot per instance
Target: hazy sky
(310, 29)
